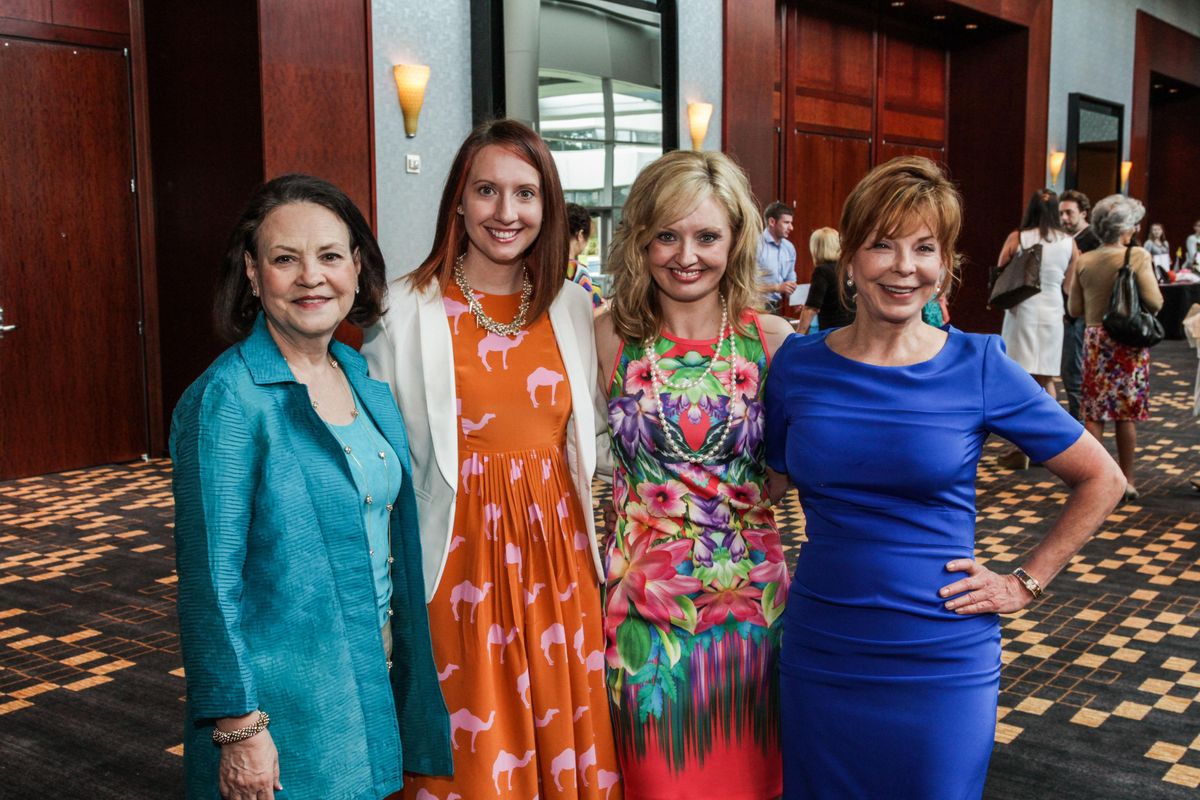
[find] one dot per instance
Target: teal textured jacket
(277, 608)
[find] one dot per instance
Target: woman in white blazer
(490, 354)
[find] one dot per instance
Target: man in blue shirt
(777, 257)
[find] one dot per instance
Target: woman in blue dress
(890, 663)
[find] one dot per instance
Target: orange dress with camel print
(516, 620)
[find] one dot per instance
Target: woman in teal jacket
(305, 638)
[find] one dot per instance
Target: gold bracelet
(1029, 582)
(229, 737)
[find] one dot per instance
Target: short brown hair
(894, 198)
(235, 307)
(546, 259)
(669, 189)
(1078, 198)
(777, 210)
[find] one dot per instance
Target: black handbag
(1018, 280)
(1125, 321)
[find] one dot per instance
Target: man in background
(1073, 210)
(777, 257)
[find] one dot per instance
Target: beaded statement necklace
(678, 448)
(486, 322)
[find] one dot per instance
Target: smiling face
(305, 271)
(501, 206)
(896, 276)
(687, 257)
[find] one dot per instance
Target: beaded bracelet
(229, 737)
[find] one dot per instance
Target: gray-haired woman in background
(1116, 377)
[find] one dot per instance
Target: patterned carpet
(1100, 693)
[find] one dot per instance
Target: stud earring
(356, 288)
(460, 208)
(849, 281)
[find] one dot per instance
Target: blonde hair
(892, 200)
(667, 190)
(825, 244)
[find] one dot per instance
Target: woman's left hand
(984, 591)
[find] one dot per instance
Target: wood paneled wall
(853, 95)
(752, 92)
(111, 16)
(986, 160)
(1174, 169)
(241, 93)
(1170, 51)
(856, 96)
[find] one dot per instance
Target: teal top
(378, 475)
(277, 606)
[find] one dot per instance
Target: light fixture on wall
(698, 116)
(1057, 157)
(1126, 168)
(410, 85)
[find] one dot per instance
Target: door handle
(5, 328)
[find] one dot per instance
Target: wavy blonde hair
(892, 200)
(667, 190)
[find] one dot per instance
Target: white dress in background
(1033, 330)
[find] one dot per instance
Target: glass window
(601, 133)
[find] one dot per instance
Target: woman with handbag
(1033, 330)
(1116, 377)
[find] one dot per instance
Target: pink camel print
(501, 344)
(496, 635)
(454, 310)
(505, 763)
(467, 592)
(555, 634)
(469, 426)
(542, 377)
(563, 762)
(465, 720)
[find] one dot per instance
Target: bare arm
(1010, 248)
(1069, 276)
(775, 330)
(1096, 484)
(806, 317)
(778, 485)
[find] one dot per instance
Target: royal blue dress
(884, 692)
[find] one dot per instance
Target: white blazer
(410, 348)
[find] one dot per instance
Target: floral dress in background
(696, 578)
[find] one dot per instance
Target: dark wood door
(72, 387)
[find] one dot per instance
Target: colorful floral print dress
(696, 577)
(516, 619)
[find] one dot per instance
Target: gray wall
(701, 43)
(1091, 52)
(438, 34)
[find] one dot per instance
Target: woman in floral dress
(696, 580)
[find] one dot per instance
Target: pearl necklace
(481, 317)
(676, 447)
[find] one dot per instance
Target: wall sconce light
(1126, 168)
(410, 85)
(698, 116)
(1057, 157)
